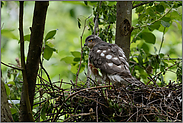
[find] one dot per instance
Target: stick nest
(109, 104)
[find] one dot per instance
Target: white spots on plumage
(109, 50)
(115, 58)
(102, 54)
(119, 66)
(110, 64)
(98, 51)
(104, 51)
(108, 57)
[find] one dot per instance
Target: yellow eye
(90, 41)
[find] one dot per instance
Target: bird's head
(92, 40)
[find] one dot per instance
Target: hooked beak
(85, 44)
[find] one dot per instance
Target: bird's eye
(90, 41)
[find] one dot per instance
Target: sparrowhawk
(111, 61)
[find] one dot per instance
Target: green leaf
(79, 23)
(13, 110)
(76, 59)
(140, 59)
(155, 25)
(151, 12)
(178, 25)
(27, 37)
(160, 8)
(50, 35)
(145, 47)
(139, 9)
(68, 59)
(11, 82)
(8, 34)
(161, 55)
(43, 111)
(111, 3)
(165, 24)
(175, 15)
(48, 51)
(141, 17)
(72, 13)
(148, 37)
(82, 68)
(86, 3)
(76, 54)
(74, 68)
(7, 89)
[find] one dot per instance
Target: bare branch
(140, 4)
(11, 66)
(96, 20)
(77, 74)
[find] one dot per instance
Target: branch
(46, 74)
(86, 89)
(96, 19)
(77, 74)
(25, 107)
(35, 46)
(140, 4)
(162, 71)
(162, 40)
(11, 66)
(81, 114)
(155, 20)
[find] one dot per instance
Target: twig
(96, 20)
(162, 71)
(81, 114)
(155, 20)
(132, 115)
(86, 89)
(95, 101)
(162, 40)
(145, 118)
(77, 74)
(140, 4)
(46, 74)
(11, 66)
(97, 110)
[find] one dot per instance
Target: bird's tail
(133, 81)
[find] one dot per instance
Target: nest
(109, 104)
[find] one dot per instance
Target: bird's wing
(109, 58)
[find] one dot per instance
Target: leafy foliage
(151, 17)
(146, 60)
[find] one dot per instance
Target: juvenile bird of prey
(111, 61)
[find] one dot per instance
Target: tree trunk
(123, 26)
(33, 58)
(6, 115)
